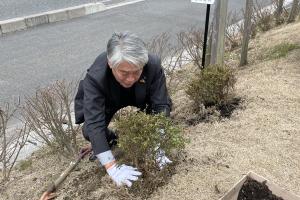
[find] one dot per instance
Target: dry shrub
(192, 42)
(160, 45)
(263, 17)
(11, 143)
(140, 135)
(233, 32)
(171, 56)
(213, 86)
(48, 114)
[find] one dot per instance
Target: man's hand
(123, 174)
(161, 159)
(119, 174)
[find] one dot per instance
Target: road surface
(37, 57)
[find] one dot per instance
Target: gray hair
(128, 47)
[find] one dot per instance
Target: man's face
(126, 74)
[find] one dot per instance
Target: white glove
(161, 159)
(123, 174)
(119, 174)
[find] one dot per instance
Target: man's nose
(130, 78)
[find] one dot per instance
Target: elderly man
(124, 75)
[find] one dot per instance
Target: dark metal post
(205, 34)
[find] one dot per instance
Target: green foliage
(211, 86)
(24, 164)
(281, 50)
(140, 135)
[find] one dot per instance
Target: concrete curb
(12, 25)
(123, 4)
(21, 23)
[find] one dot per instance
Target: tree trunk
(246, 33)
(278, 12)
(294, 11)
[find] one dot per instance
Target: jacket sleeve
(159, 97)
(78, 104)
(94, 114)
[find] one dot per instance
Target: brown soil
(262, 135)
(254, 190)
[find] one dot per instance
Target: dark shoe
(113, 143)
(112, 138)
(92, 157)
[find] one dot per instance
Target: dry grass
(263, 136)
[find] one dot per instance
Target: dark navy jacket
(99, 97)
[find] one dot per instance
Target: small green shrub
(212, 86)
(24, 164)
(281, 50)
(139, 136)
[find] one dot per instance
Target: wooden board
(232, 194)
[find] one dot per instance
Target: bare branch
(171, 57)
(192, 42)
(262, 16)
(47, 113)
(233, 31)
(12, 142)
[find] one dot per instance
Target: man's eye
(134, 73)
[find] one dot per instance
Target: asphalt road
(37, 57)
(18, 8)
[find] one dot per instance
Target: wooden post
(218, 33)
(208, 54)
(246, 33)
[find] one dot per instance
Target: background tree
(279, 9)
(294, 11)
(247, 32)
